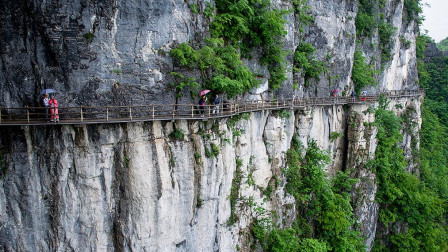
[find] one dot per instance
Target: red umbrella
(204, 92)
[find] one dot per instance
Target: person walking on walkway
(353, 96)
(216, 101)
(335, 95)
(202, 102)
(54, 109)
(363, 95)
(46, 104)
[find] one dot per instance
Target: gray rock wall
(117, 51)
(132, 187)
(129, 186)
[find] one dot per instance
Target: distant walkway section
(154, 112)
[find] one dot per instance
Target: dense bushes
(324, 215)
(362, 74)
(409, 209)
(412, 10)
(304, 61)
(240, 25)
(369, 20)
(220, 67)
(434, 132)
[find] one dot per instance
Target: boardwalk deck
(138, 113)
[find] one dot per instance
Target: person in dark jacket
(353, 96)
(202, 102)
(216, 101)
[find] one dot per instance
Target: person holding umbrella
(202, 101)
(335, 94)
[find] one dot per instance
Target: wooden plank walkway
(140, 113)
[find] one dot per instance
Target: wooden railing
(117, 114)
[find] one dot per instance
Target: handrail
(116, 114)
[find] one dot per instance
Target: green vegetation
(89, 37)
(209, 10)
(305, 63)
(362, 74)
(177, 134)
(215, 150)
(194, 8)
(220, 67)
(386, 31)
(235, 191)
(115, 71)
(324, 216)
(284, 113)
(434, 133)
(335, 135)
(239, 25)
(197, 158)
(365, 21)
(232, 121)
(181, 83)
(199, 202)
(303, 11)
(404, 200)
(126, 161)
(443, 45)
(369, 19)
(412, 10)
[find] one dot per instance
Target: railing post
(192, 111)
(82, 117)
(0, 115)
(130, 112)
(209, 111)
(152, 111)
(27, 114)
(107, 112)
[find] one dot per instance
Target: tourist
(353, 96)
(216, 101)
(202, 102)
(54, 109)
(335, 95)
(363, 95)
(46, 104)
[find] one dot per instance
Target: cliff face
(131, 186)
(100, 52)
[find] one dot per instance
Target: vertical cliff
(139, 186)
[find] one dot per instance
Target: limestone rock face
(117, 52)
(132, 187)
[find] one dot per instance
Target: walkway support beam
(82, 117)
